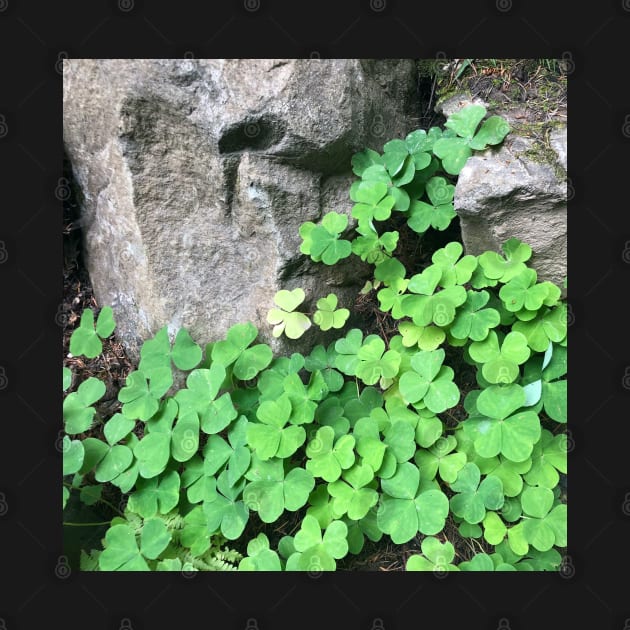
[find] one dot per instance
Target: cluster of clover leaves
(356, 436)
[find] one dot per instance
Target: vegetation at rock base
(440, 434)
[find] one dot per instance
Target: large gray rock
(196, 175)
(518, 190)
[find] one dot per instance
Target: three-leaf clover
(327, 457)
(436, 556)
(317, 552)
(199, 397)
(323, 361)
(121, 551)
(234, 350)
(270, 492)
(548, 325)
(347, 348)
(548, 457)
(496, 267)
(270, 437)
(425, 337)
(472, 321)
(373, 202)
(285, 318)
(322, 242)
(141, 396)
(375, 362)
(437, 214)
(500, 430)
(86, 340)
(522, 292)
(406, 508)
(455, 268)
(544, 527)
(327, 315)
(234, 454)
(153, 495)
(500, 363)
(473, 498)
(224, 509)
(440, 458)
(455, 151)
(352, 494)
(259, 556)
(427, 306)
(430, 382)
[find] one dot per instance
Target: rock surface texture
(195, 176)
(517, 190)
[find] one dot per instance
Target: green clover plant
(439, 423)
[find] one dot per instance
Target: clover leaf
(424, 337)
(141, 396)
(224, 511)
(374, 362)
(73, 454)
(270, 492)
(429, 428)
(156, 356)
(303, 397)
(400, 439)
(545, 526)
(548, 457)
(379, 173)
(323, 360)
(350, 493)
(500, 363)
(510, 473)
(199, 396)
(436, 556)
(373, 202)
(371, 247)
(502, 269)
(322, 242)
(406, 509)
(522, 292)
(85, 340)
(153, 451)
(153, 495)
(269, 437)
(328, 458)
(473, 498)
(317, 552)
(259, 556)
(121, 552)
(390, 298)
(234, 454)
(347, 348)
(284, 319)
(234, 350)
(389, 271)
(115, 461)
(327, 315)
(364, 159)
(430, 382)
(271, 384)
(548, 325)
(497, 431)
(473, 321)
(428, 307)
(368, 442)
(455, 151)
(455, 269)
(440, 458)
(78, 412)
(437, 214)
